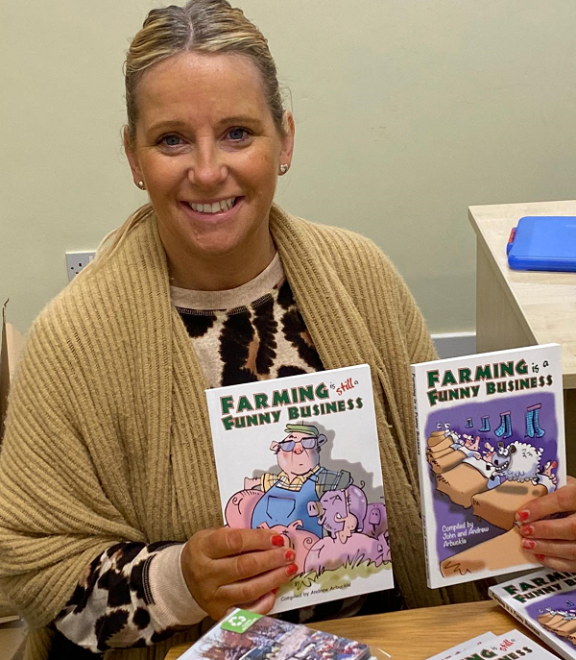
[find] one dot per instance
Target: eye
(170, 141)
(238, 134)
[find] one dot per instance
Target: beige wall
(407, 111)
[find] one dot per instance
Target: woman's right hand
(225, 568)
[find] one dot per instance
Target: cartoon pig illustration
(239, 508)
(330, 553)
(376, 520)
(341, 512)
(300, 540)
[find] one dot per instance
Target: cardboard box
(12, 344)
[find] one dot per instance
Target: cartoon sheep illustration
(519, 461)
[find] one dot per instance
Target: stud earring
(283, 168)
(141, 185)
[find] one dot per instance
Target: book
(244, 635)
(490, 438)
(509, 646)
(300, 455)
(460, 650)
(545, 602)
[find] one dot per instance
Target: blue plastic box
(543, 243)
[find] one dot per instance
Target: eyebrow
(176, 123)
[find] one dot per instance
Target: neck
(220, 272)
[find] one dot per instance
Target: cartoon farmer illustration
(302, 480)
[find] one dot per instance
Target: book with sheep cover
(545, 602)
(490, 437)
(300, 455)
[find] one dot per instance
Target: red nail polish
(290, 570)
(275, 591)
(522, 516)
(528, 544)
(527, 530)
(290, 555)
(539, 557)
(278, 540)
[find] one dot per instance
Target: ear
(275, 447)
(288, 138)
(132, 159)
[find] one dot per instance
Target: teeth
(217, 207)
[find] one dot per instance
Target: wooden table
(417, 634)
(524, 308)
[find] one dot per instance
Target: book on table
(490, 433)
(545, 602)
(512, 645)
(300, 455)
(244, 635)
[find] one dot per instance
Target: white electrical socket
(76, 261)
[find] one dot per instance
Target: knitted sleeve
(131, 595)
(55, 515)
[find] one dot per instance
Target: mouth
(217, 210)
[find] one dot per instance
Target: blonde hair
(201, 26)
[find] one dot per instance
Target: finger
(226, 542)
(561, 500)
(557, 563)
(565, 550)
(560, 528)
(261, 606)
(251, 564)
(254, 588)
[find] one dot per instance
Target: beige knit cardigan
(107, 435)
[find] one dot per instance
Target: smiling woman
(208, 151)
(111, 533)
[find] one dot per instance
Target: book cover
(465, 648)
(490, 438)
(545, 602)
(512, 645)
(244, 635)
(300, 455)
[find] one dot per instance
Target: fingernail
(275, 591)
(290, 570)
(278, 540)
(539, 557)
(290, 555)
(527, 530)
(522, 516)
(527, 543)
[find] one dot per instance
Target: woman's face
(209, 152)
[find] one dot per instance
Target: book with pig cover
(300, 455)
(545, 602)
(490, 438)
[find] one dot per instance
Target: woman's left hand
(553, 542)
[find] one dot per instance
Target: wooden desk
(417, 634)
(524, 308)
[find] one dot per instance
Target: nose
(207, 169)
(298, 449)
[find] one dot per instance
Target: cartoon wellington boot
(485, 424)
(505, 429)
(533, 421)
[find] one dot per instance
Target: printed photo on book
(490, 438)
(244, 635)
(300, 455)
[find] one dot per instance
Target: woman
(111, 534)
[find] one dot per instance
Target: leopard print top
(250, 333)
